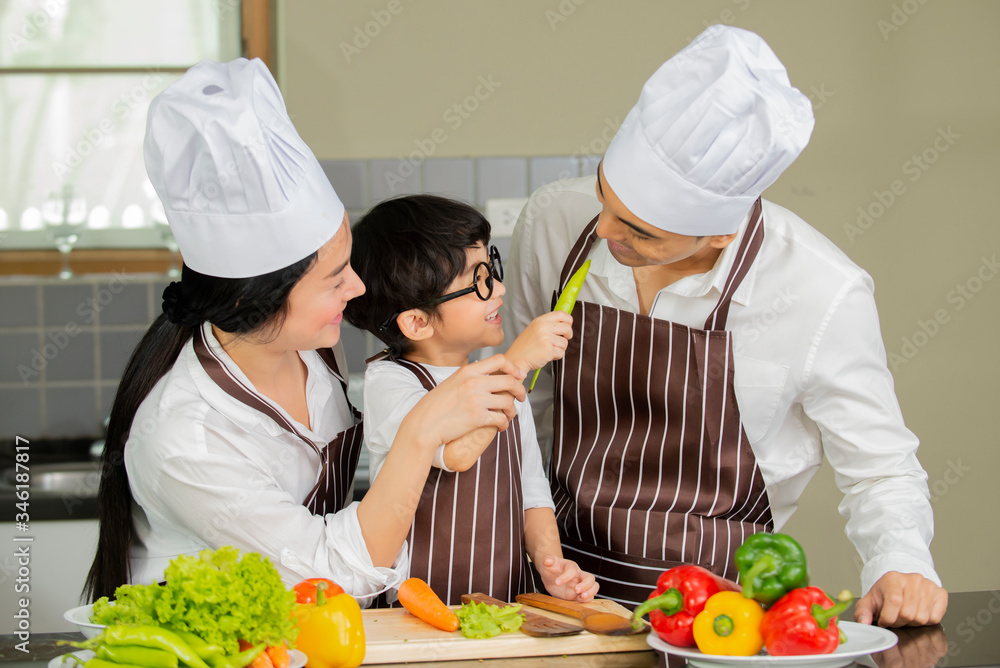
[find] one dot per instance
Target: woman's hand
(543, 340)
(480, 394)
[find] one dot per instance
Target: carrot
(261, 661)
(420, 601)
(278, 655)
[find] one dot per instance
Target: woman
(231, 425)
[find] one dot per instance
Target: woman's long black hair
(242, 306)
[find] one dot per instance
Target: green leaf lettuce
(215, 595)
(481, 620)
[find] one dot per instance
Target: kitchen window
(76, 79)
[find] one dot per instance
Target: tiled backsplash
(64, 344)
(361, 183)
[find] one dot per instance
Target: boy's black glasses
(485, 273)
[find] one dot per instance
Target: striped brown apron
(651, 465)
(468, 530)
(338, 459)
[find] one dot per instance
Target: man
(721, 345)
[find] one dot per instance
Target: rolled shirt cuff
(350, 565)
(438, 461)
(898, 562)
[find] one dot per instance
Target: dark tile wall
(61, 346)
(64, 344)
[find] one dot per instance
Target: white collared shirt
(206, 470)
(391, 391)
(810, 366)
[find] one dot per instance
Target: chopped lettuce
(218, 596)
(481, 620)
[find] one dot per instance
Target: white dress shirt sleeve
(849, 395)
(529, 295)
(390, 392)
(534, 484)
(220, 497)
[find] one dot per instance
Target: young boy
(433, 294)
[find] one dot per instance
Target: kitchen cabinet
(59, 557)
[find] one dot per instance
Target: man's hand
(902, 599)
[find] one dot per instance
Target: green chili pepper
(771, 565)
(209, 653)
(103, 663)
(138, 656)
(243, 658)
(566, 302)
(154, 637)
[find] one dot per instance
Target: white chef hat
(713, 127)
(242, 192)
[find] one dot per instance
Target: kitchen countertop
(968, 636)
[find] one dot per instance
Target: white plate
(862, 639)
(297, 659)
(81, 617)
(65, 662)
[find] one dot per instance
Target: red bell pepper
(679, 596)
(803, 621)
(305, 591)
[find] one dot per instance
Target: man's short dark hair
(407, 251)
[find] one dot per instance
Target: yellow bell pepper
(729, 625)
(331, 632)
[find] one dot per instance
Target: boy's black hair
(407, 251)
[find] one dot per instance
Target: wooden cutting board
(396, 636)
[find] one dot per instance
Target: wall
(55, 581)
(63, 346)
(899, 171)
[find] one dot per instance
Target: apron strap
(577, 256)
(328, 356)
(750, 245)
(422, 374)
(235, 388)
(379, 356)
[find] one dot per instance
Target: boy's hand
(463, 452)
(564, 579)
(543, 340)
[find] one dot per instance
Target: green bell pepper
(771, 565)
